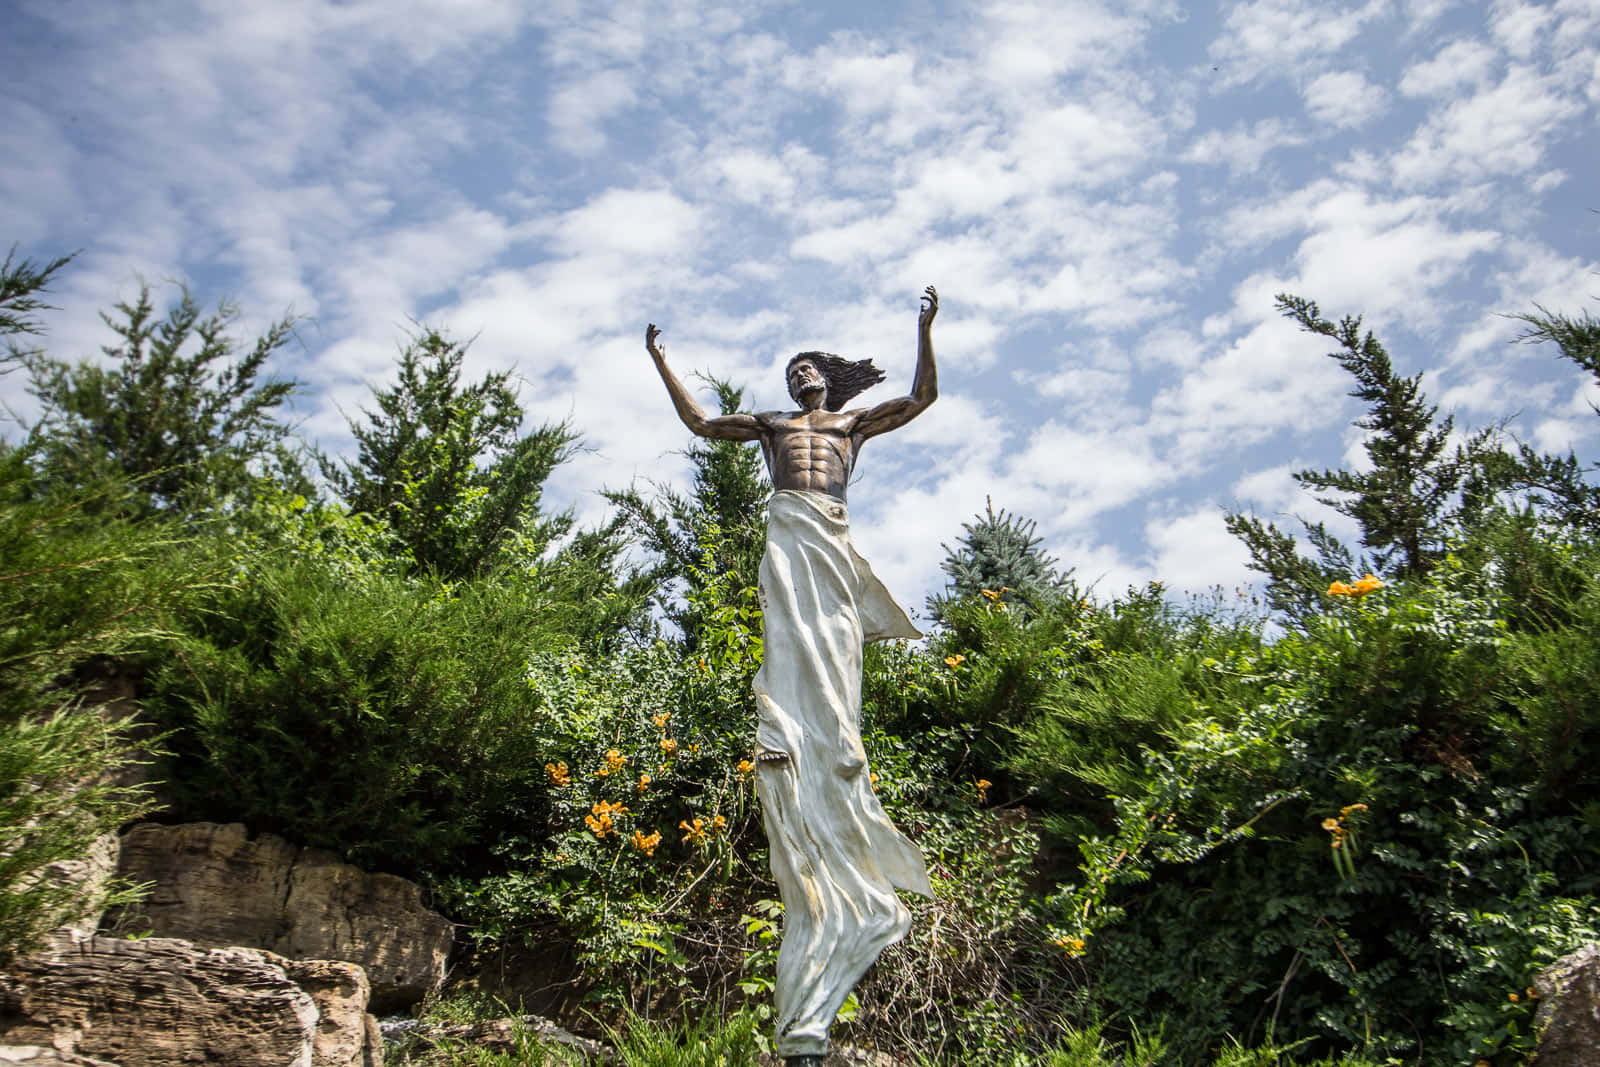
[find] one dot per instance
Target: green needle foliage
(194, 428)
(708, 543)
(443, 466)
(20, 286)
(1000, 553)
(78, 593)
(1407, 503)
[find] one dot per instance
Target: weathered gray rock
(1568, 1022)
(215, 886)
(346, 1035)
(158, 1002)
(339, 912)
(89, 876)
(43, 1057)
(841, 1056)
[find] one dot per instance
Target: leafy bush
(1366, 853)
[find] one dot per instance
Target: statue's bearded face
(807, 385)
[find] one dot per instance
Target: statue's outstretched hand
(930, 306)
(651, 333)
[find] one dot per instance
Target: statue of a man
(836, 857)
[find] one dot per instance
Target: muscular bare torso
(812, 451)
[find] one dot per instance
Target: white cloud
(579, 110)
(1283, 37)
(1242, 148)
(1194, 550)
(1344, 99)
(1499, 130)
(1460, 63)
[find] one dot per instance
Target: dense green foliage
(78, 592)
(1158, 832)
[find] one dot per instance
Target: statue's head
(829, 381)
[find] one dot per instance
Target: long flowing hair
(845, 377)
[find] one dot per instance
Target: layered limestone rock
(217, 887)
(158, 1002)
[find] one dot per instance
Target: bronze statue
(814, 450)
(836, 857)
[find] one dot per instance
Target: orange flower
(983, 785)
(1366, 585)
(669, 746)
(744, 768)
(557, 773)
(600, 820)
(615, 761)
(954, 661)
(1340, 589)
(644, 782)
(646, 843)
(694, 834)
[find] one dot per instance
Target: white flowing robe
(836, 857)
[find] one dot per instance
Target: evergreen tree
(1406, 505)
(1558, 485)
(20, 284)
(443, 466)
(708, 543)
(173, 410)
(1000, 555)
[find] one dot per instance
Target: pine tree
(1407, 505)
(1001, 555)
(20, 284)
(443, 466)
(173, 410)
(709, 542)
(1558, 485)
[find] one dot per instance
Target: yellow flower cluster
(646, 843)
(992, 595)
(661, 720)
(744, 768)
(982, 785)
(954, 661)
(1336, 827)
(1359, 589)
(1072, 946)
(601, 820)
(557, 773)
(615, 761)
(644, 782)
(695, 833)
(669, 746)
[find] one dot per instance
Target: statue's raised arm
(893, 414)
(736, 427)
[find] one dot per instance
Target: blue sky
(1107, 196)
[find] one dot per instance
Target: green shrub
(1367, 853)
(386, 719)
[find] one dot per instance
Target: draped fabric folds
(836, 857)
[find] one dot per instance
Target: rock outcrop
(346, 1035)
(158, 1002)
(217, 887)
(1568, 1023)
